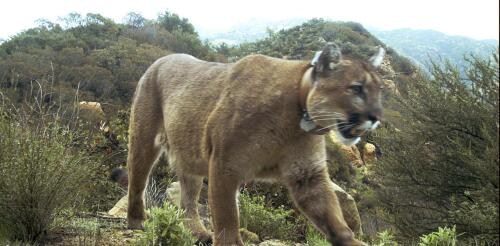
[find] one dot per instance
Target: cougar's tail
(120, 176)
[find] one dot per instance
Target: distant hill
(249, 31)
(301, 42)
(422, 45)
(418, 45)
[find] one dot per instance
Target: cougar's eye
(356, 89)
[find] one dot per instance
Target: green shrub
(339, 166)
(314, 238)
(443, 237)
(40, 172)
(166, 227)
(267, 222)
(385, 238)
(441, 165)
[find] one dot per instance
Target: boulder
(173, 193)
(350, 152)
(389, 85)
(386, 69)
(120, 208)
(369, 154)
(248, 236)
(387, 72)
(349, 210)
(93, 106)
(273, 242)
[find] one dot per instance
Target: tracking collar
(306, 83)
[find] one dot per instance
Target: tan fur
(234, 123)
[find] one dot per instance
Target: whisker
(325, 118)
(325, 113)
(326, 127)
(317, 103)
(345, 127)
(328, 115)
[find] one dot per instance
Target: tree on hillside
(102, 58)
(442, 168)
(173, 22)
(135, 20)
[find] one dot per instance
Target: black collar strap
(306, 83)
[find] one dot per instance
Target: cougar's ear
(328, 58)
(376, 60)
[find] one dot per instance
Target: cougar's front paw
(135, 224)
(351, 242)
(346, 238)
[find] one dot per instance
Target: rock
(369, 154)
(349, 210)
(173, 193)
(350, 152)
(273, 242)
(120, 208)
(94, 106)
(386, 69)
(353, 155)
(387, 72)
(248, 236)
(389, 85)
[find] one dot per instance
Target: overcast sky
(478, 19)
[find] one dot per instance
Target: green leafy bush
(441, 166)
(41, 171)
(166, 227)
(385, 238)
(314, 238)
(443, 237)
(267, 222)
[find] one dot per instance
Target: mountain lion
(260, 118)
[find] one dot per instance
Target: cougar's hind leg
(145, 122)
(190, 193)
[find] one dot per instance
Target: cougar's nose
(374, 114)
(373, 118)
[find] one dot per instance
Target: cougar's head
(344, 94)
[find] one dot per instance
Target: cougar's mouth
(350, 130)
(349, 127)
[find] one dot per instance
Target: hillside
(101, 59)
(420, 46)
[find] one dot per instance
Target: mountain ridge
(417, 44)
